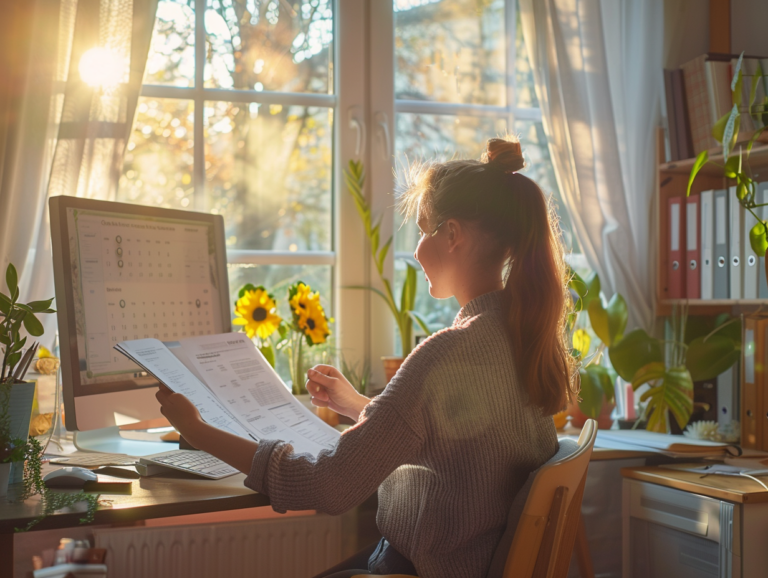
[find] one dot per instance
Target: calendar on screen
(138, 277)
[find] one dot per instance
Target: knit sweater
(448, 444)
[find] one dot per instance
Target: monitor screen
(131, 272)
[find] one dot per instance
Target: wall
(686, 29)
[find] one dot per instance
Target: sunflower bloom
(308, 314)
(256, 312)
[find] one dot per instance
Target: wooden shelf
(757, 158)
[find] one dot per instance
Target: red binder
(676, 249)
(693, 248)
(753, 376)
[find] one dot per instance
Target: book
(753, 360)
(669, 101)
(233, 387)
(699, 107)
(674, 445)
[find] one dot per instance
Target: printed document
(234, 388)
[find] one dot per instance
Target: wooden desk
(153, 497)
(728, 488)
(674, 512)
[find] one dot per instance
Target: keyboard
(191, 461)
(95, 459)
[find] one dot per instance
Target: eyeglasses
(433, 233)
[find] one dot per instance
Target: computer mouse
(69, 477)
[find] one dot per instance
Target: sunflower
(255, 310)
(308, 314)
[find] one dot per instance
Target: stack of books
(698, 94)
(709, 253)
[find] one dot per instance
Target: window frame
(198, 95)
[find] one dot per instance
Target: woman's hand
(329, 388)
(182, 414)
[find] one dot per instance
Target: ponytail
(514, 211)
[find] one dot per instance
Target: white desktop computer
(125, 272)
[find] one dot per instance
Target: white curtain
(598, 73)
(58, 135)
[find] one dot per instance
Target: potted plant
(16, 360)
(403, 312)
(256, 312)
(737, 168)
(699, 349)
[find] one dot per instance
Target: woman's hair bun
(506, 154)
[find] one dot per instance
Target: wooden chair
(545, 517)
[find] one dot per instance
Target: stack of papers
(233, 386)
(669, 445)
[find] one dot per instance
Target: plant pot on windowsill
(391, 365)
(22, 398)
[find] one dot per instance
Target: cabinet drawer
(691, 513)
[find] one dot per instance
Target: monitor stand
(109, 440)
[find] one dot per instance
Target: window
(461, 77)
(236, 118)
(251, 109)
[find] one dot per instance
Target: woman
(468, 416)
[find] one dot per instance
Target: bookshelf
(673, 182)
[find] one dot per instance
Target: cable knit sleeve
(342, 478)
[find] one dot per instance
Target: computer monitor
(122, 272)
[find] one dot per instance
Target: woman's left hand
(182, 414)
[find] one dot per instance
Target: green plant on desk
(16, 315)
(700, 349)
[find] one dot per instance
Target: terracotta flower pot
(391, 365)
(604, 421)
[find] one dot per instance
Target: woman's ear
(455, 234)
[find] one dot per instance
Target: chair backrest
(545, 516)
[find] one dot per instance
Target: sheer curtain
(598, 72)
(59, 135)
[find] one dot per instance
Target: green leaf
(757, 238)
(13, 359)
(701, 159)
(591, 394)
(756, 80)
(5, 304)
(269, 354)
(755, 135)
(40, 306)
(23, 307)
(374, 237)
(637, 349)
(708, 359)
(32, 325)
(732, 167)
(421, 322)
(609, 322)
(718, 129)
(674, 393)
(11, 278)
(650, 372)
(731, 131)
(383, 254)
(408, 297)
(736, 82)
(602, 377)
(737, 72)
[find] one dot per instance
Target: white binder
(761, 198)
(736, 214)
(750, 258)
(707, 200)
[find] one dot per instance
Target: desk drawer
(691, 513)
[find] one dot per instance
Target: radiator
(295, 547)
